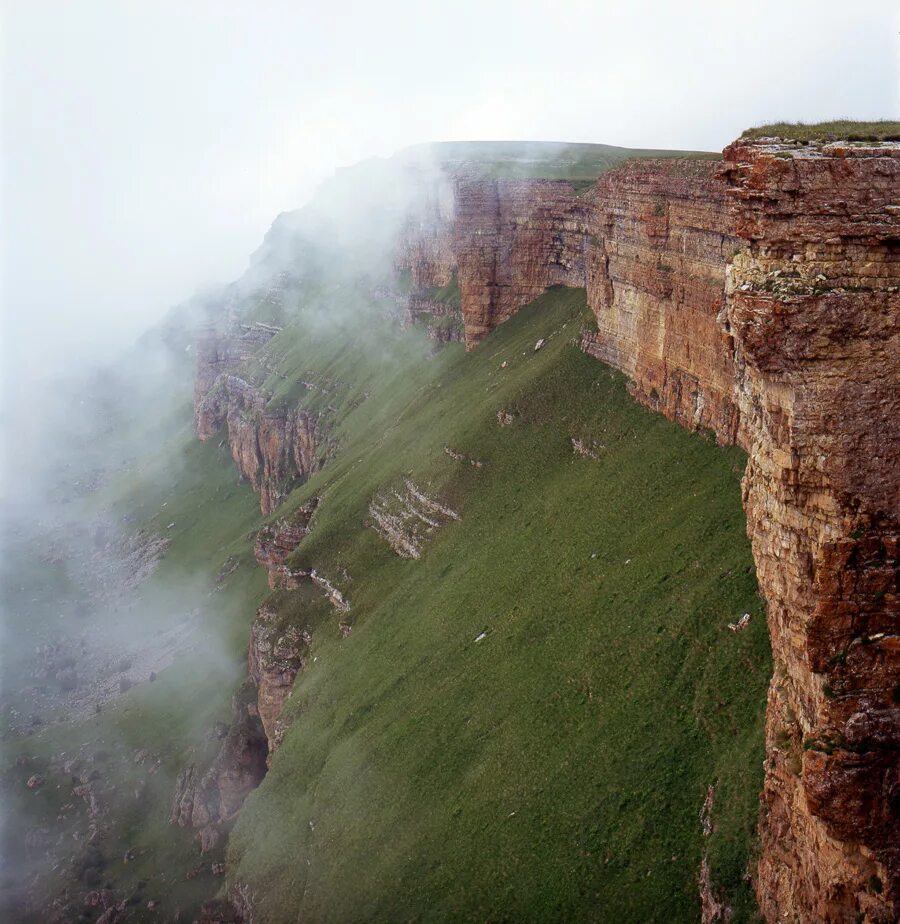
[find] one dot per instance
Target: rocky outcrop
(277, 653)
(276, 541)
(426, 243)
(512, 240)
(442, 320)
(219, 352)
(274, 448)
(813, 305)
(759, 300)
(656, 283)
(406, 518)
(208, 800)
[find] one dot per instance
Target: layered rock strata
(759, 300)
(656, 284)
(219, 352)
(276, 541)
(406, 518)
(277, 653)
(273, 448)
(512, 239)
(813, 305)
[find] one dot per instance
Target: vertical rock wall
(762, 301)
(512, 239)
(813, 305)
(273, 447)
(656, 283)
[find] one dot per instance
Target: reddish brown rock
(219, 352)
(512, 240)
(273, 448)
(276, 541)
(426, 243)
(814, 310)
(277, 653)
(656, 284)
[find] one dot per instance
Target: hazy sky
(146, 146)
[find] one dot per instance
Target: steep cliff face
(814, 308)
(276, 541)
(275, 656)
(426, 244)
(220, 352)
(512, 239)
(762, 301)
(207, 801)
(656, 283)
(273, 448)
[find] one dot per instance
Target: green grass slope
(580, 163)
(555, 769)
(838, 130)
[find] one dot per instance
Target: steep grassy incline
(524, 723)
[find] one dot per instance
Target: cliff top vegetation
(838, 130)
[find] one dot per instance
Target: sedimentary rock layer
(650, 244)
(801, 367)
(275, 656)
(276, 541)
(761, 300)
(813, 305)
(656, 283)
(512, 239)
(273, 447)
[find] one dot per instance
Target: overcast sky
(147, 146)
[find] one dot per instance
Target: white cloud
(147, 146)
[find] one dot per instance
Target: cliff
(760, 301)
(812, 304)
(512, 239)
(274, 448)
(656, 284)
(756, 299)
(208, 801)
(275, 656)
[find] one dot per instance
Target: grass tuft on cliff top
(838, 130)
(523, 724)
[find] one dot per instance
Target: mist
(147, 147)
(163, 164)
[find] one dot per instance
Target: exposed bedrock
(207, 801)
(276, 541)
(277, 653)
(273, 448)
(656, 283)
(760, 300)
(512, 240)
(219, 352)
(813, 304)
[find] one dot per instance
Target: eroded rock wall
(274, 448)
(656, 284)
(276, 654)
(512, 240)
(813, 305)
(760, 300)
(275, 542)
